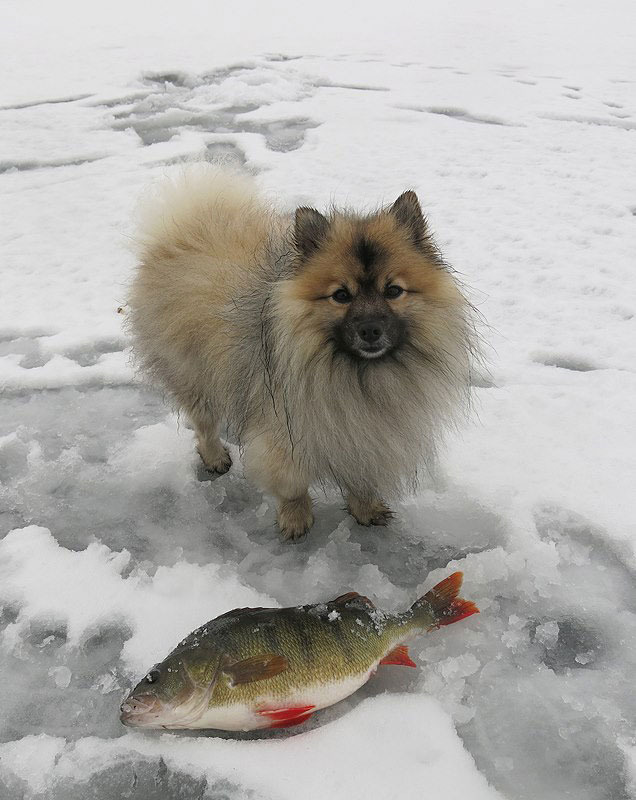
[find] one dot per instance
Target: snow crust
(516, 125)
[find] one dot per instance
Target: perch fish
(274, 667)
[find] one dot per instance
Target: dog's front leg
(273, 469)
(368, 511)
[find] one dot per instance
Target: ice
(516, 127)
(62, 676)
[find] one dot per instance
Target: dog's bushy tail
(200, 206)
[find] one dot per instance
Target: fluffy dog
(337, 347)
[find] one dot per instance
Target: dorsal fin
(353, 599)
(237, 612)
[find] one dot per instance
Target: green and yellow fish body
(265, 667)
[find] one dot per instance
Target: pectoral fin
(256, 668)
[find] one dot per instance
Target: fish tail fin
(442, 606)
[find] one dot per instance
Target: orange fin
(256, 668)
(289, 723)
(446, 606)
(352, 598)
(287, 717)
(458, 609)
(441, 595)
(399, 656)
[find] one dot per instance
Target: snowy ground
(517, 126)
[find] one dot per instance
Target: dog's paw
(373, 512)
(295, 518)
(218, 462)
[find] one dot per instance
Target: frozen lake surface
(517, 128)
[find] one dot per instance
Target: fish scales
(258, 667)
(337, 650)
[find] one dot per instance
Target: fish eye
(153, 676)
(393, 291)
(342, 296)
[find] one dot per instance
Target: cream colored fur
(214, 322)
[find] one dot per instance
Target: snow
(516, 125)
(385, 741)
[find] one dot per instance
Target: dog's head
(367, 287)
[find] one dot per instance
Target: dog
(336, 347)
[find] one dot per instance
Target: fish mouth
(142, 711)
(146, 710)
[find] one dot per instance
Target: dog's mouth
(369, 353)
(365, 351)
(372, 351)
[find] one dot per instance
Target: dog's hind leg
(206, 427)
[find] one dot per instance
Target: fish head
(174, 693)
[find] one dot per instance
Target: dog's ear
(310, 230)
(408, 212)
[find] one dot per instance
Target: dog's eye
(393, 291)
(153, 676)
(342, 296)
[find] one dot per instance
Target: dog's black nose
(370, 330)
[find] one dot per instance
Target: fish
(254, 668)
